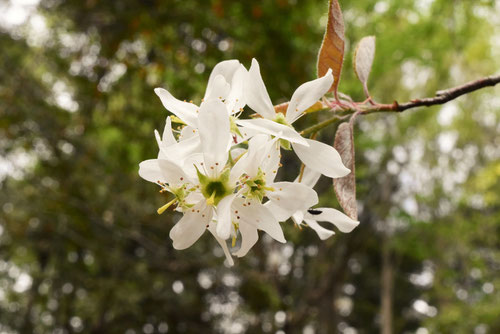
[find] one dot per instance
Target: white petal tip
(325, 235)
(178, 247)
(351, 228)
(342, 173)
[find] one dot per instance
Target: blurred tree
(83, 250)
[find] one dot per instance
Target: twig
(441, 97)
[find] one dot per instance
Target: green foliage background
(83, 250)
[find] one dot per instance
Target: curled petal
(256, 94)
(343, 222)
(321, 158)
(308, 94)
(322, 232)
(184, 110)
(249, 237)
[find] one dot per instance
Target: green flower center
(257, 186)
(215, 189)
(280, 119)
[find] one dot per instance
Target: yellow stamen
(166, 206)
(233, 242)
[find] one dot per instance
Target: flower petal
(224, 217)
(213, 126)
(168, 138)
(309, 177)
(289, 197)
(150, 171)
(181, 150)
(306, 95)
(254, 213)
(298, 217)
(225, 68)
(219, 88)
(256, 95)
(272, 128)
(322, 232)
(249, 237)
(222, 243)
(321, 158)
(257, 148)
(173, 174)
(187, 132)
(184, 110)
(238, 169)
(343, 222)
(191, 226)
(271, 162)
(235, 99)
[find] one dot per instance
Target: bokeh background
(82, 249)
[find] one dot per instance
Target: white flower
(169, 149)
(192, 197)
(314, 154)
(225, 83)
(221, 185)
(244, 210)
(312, 216)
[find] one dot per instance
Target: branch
(441, 96)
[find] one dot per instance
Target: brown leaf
(345, 187)
(331, 53)
(363, 60)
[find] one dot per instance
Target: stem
(319, 126)
(441, 97)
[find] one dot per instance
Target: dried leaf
(331, 53)
(345, 187)
(363, 60)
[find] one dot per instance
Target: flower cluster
(221, 169)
